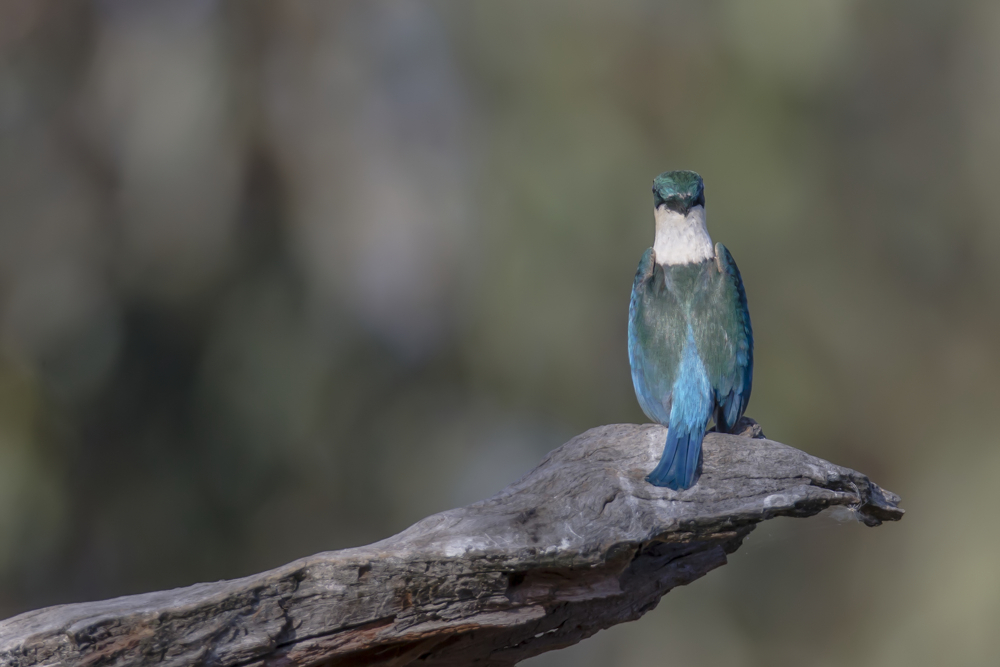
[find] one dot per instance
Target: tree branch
(580, 543)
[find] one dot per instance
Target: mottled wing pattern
(654, 339)
(721, 320)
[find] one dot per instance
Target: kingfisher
(690, 344)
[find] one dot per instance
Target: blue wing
(730, 361)
(653, 339)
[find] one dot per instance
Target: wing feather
(654, 339)
(722, 320)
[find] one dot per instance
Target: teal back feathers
(679, 315)
(709, 297)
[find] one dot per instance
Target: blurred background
(285, 277)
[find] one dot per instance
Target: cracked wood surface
(580, 543)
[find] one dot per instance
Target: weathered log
(580, 543)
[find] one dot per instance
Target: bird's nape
(678, 190)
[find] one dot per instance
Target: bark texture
(580, 543)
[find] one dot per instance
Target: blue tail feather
(680, 459)
(690, 409)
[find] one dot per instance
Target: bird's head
(679, 191)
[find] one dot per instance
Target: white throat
(681, 239)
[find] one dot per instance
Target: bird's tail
(679, 462)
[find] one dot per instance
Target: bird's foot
(748, 428)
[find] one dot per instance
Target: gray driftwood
(579, 544)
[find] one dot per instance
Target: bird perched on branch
(690, 344)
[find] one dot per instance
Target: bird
(690, 343)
